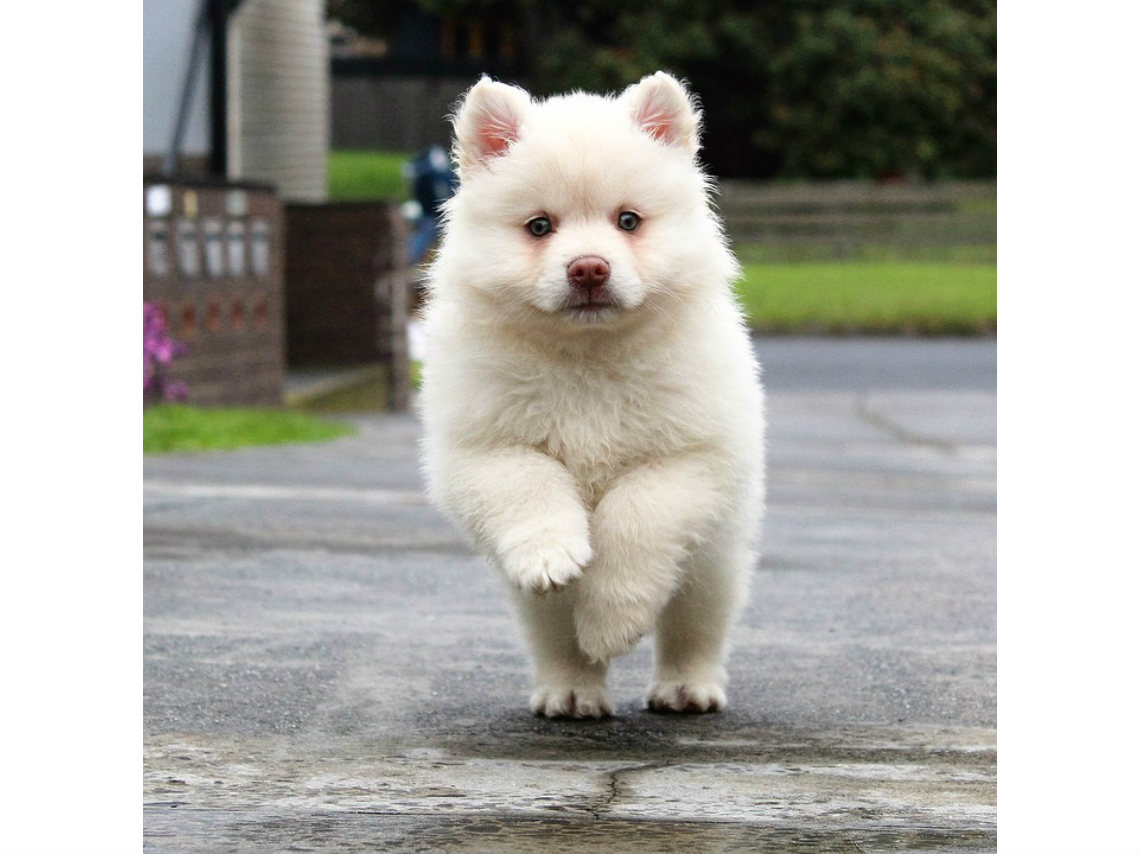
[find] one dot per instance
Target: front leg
(522, 508)
(566, 684)
(649, 519)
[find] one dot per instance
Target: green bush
(812, 89)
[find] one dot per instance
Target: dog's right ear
(488, 120)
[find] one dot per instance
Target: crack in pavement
(880, 421)
(613, 784)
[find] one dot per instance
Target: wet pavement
(329, 668)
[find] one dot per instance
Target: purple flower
(159, 350)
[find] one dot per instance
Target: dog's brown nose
(589, 271)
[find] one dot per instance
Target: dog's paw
(686, 697)
(604, 634)
(571, 702)
(546, 567)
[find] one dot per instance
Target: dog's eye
(628, 220)
(540, 226)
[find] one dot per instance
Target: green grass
(170, 428)
(367, 175)
(893, 298)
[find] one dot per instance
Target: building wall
(278, 111)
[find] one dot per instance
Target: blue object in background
(433, 183)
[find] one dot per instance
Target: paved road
(328, 668)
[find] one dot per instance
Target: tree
(800, 88)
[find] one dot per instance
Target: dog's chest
(597, 422)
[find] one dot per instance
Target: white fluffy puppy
(593, 415)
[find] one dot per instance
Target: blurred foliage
(800, 88)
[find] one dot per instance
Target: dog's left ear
(665, 110)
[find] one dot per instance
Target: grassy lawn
(908, 298)
(367, 175)
(170, 428)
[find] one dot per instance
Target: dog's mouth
(590, 302)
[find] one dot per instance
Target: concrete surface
(328, 668)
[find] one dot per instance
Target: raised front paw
(571, 702)
(543, 567)
(606, 631)
(686, 697)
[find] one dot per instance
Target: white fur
(609, 462)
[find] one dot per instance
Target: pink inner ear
(659, 129)
(498, 127)
(656, 118)
(492, 141)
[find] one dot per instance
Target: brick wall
(212, 258)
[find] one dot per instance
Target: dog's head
(584, 209)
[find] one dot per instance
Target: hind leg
(566, 684)
(692, 634)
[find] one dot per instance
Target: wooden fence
(824, 220)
